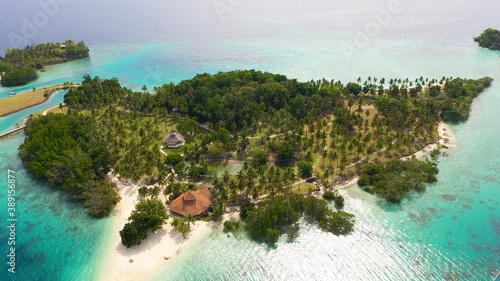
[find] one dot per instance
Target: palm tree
(190, 219)
(184, 228)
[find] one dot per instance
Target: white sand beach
(446, 138)
(139, 262)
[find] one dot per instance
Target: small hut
(174, 140)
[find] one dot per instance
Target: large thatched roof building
(192, 202)
(174, 140)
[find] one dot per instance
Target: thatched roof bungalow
(192, 202)
(174, 140)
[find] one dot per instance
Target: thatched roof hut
(174, 140)
(192, 202)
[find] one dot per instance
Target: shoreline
(155, 251)
(40, 103)
(164, 245)
(446, 138)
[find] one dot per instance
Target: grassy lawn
(177, 151)
(302, 188)
(63, 110)
(23, 100)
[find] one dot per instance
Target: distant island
(490, 39)
(291, 140)
(20, 66)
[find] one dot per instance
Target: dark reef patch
(74, 229)
(29, 227)
(449, 197)
(422, 217)
(495, 223)
(49, 229)
(475, 247)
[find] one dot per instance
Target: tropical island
(490, 39)
(20, 66)
(288, 142)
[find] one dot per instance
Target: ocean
(449, 232)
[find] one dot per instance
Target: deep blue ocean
(449, 232)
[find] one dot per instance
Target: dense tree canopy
(276, 215)
(490, 39)
(19, 64)
(19, 76)
(394, 179)
(95, 93)
(237, 99)
(451, 103)
(42, 55)
(148, 215)
(59, 148)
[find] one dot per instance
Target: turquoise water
(55, 238)
(152, 65)
(450, 232)
(14, 120)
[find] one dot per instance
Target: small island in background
(490, 39)
(20, 66)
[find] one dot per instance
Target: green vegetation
(394, 179)
(19, 77)
(182, 225)
(148, 215)
(490, 39)
(460, 94)
(277, 129)
(62, 150)
(451, 103)
(233, 226)
(20, 65)
(245, 208)
(232, 100)
(336, 197)
(95, 93)
(277, 215)
(305, 169)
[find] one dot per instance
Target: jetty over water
(12, 131)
